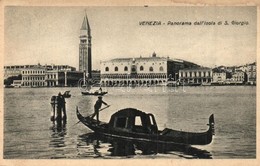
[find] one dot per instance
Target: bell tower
(85, 64)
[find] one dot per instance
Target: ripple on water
(27, 119)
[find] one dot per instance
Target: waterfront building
(219, 75)
(58, 78)
(197, 75)
(85, 64)
(52, 78)
(44, 75)
(60, 67)
(33, 77)
(140, 71)
(17, 83)
(238, 77)
(15, 70)
(96, 76)
(243, 68)
(230, 69)
(251, 73)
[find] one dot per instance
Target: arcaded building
(152, 70)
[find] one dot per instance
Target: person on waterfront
(100, 89)
(97, 106)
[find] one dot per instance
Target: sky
(50, 35)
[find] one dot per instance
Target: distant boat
(95, 93)
(206, 84)
(91, 92)
(122, 125)
(66, 94)
(9, 86)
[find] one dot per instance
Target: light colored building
(238, 77)
(60, 67)
(219, 77)
(251, 73)
(57, 78)
(41, 75)
(33, 77)
(14, 70)
(52, 78)
(17, 83)
(140, 71)
(197, 75)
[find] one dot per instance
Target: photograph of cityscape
(121, 82)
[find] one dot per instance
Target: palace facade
(140, 71)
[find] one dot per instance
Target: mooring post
(64, 109)
(53, 106)
(59, 107)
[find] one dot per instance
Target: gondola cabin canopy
(133, 120)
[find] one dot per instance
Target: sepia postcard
(129, 83)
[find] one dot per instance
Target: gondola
(96, 93)
(122, 126)
(66, 94)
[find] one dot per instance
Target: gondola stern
(77, 110)
(78, 114)
(212, 124)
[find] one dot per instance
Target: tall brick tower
(85, 64)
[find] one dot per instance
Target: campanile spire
(85, 64)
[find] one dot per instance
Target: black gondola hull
(165, 137)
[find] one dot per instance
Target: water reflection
(58, 133)
(123, 148)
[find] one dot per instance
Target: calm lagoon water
(29, 133)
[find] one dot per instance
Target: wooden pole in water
(59, 113)
(64, 109)
(53, 98)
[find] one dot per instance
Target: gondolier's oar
(100, 110)
(93, 113)
(104, 108)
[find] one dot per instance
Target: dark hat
(100, 97)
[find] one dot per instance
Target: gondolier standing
(97, 106)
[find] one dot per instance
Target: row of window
(137, 77)
(33, 72)
(51, 76)
(134, 69)
(196, 80)
(12, 71)
(34, 84)
(50, 83)
(133, 82)
(219, 74)
(195, 74)
(138, 63)
(33, 78)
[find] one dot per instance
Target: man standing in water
(97, 106)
